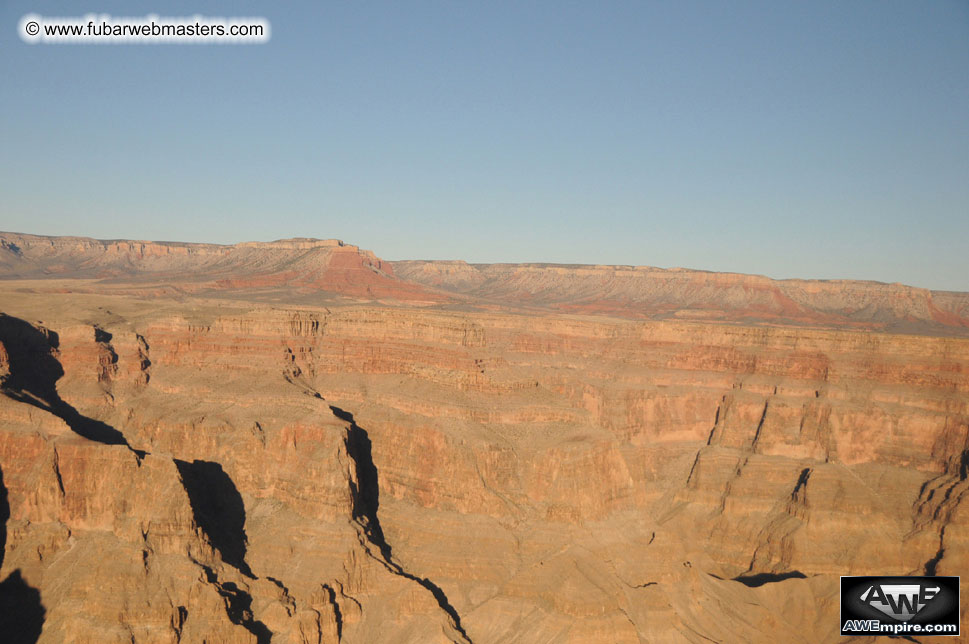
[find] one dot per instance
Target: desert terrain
(300, 442)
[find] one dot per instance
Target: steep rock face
(421, 475)
(202, 539)
(239, 463)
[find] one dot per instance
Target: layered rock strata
(362, 473)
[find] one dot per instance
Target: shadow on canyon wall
(21, 611)
(365, 495)
(238, 606)
(33, 375)
(755, 581)
(218, 509)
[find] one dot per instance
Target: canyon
(299, 442)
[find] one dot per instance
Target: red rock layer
(642, 291)
(419, 475)
(328, 266)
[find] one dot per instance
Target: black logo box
(941, 609)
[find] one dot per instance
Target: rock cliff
(200, 468)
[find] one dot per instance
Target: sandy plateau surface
(298, 442)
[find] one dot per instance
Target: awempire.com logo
(899, 605)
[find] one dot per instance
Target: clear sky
(816, 139)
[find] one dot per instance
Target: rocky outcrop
(198, 469)
(518, 479)
(170, 527)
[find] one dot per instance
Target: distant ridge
(304, 266)
(643, 291)
(325, 265)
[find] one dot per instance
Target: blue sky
(792, 139)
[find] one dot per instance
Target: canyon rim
(299, 442)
